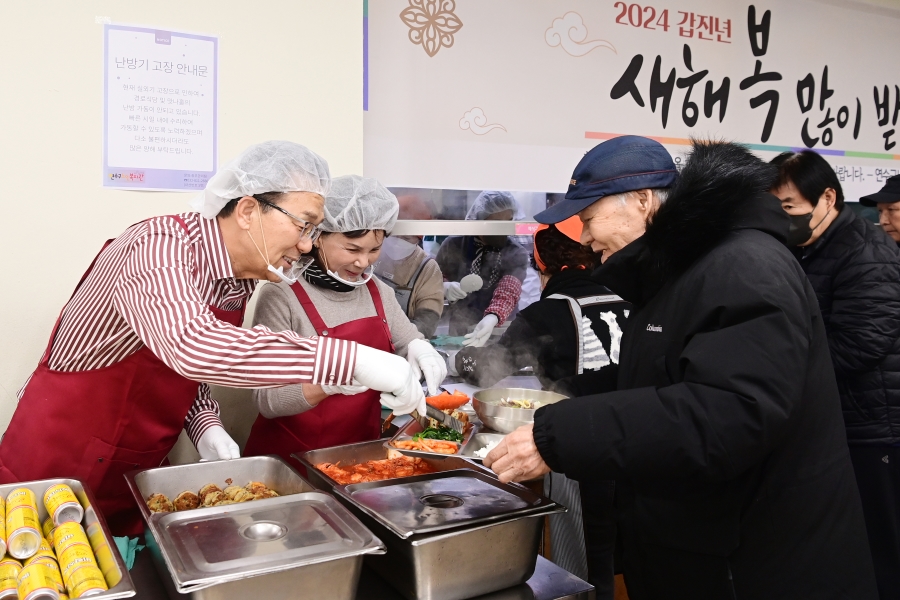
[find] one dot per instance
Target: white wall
(289, 69)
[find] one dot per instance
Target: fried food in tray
(210, 495)
(376, 470)
(159, 503)
(187, 501)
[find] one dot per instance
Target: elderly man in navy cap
(724, 436)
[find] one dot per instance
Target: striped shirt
(152, 287)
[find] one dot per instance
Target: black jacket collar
(722, 188)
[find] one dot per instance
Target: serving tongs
(439, 416)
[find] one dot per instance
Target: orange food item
(376, 470)
(446, 401)
(426, 445)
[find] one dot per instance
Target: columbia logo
(654, 328)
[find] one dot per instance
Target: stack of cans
(35, 569)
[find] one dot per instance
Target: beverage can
(9, 573)
(35, 582)
(23, 529)
(62, 504)
(86, 581)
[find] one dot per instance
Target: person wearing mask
(338, 298)
(724, 435)
(887, 201)
(414, 276)
(854, 269)
(498, 260)
(157, 317)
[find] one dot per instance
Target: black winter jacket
(725, 436)
(543, 335)
(854, 267)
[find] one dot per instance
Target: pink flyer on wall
(160, 104)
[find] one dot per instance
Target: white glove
(344, 390)
(452, 291)
(216, 444)
(482, 331)
(425, 360)
(410, 398)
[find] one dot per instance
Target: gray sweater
(278, 309)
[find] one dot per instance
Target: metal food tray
(118, 579)
(442, 501)
(417, 565)
(239, 563)
(478, 442)
(412, 427)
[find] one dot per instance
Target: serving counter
(549, 582)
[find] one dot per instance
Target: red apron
(336, 420)
(96, 425)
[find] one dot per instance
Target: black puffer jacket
(725, 436)
(855, 270)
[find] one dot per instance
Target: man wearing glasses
(157, 317)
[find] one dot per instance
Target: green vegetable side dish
(439, 433)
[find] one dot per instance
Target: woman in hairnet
(338, 298)
(157, 317)
(499, 262)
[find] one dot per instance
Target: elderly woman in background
(498, 259)
(337, 297)
(414, 276)
(855, 270)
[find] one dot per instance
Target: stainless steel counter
(549, 582)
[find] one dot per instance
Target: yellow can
(86, 581)
(105, 560)
(9, 573)
(2, 526)
(23, 529)
(35, 582)
(43, 551)
(47, 528)
(67, 534)
(54, 571)
(62, 504)
(75, 557)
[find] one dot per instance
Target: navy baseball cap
(622, 164)
(889, 194)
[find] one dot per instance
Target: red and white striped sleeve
(156, 296)
(505, 298)
(204, 413)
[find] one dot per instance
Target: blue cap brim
(563, 210)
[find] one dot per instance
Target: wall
(288, 70)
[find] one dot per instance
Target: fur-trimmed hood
(722, 188)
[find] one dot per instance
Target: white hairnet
(274, 166)
(491, 202)
(356, 203)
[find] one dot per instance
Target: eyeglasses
(307, 230)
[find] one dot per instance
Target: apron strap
(379, 310)
(311, 313)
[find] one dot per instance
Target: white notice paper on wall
(159, 122)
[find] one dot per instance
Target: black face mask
(799, 231)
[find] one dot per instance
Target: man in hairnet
(498, 260)
(157, 317)
(337, 297)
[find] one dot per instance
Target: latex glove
(452, 291)
(382, 371)
(216, 444)
(410, 398)
(425, 360)
(482, 331)
(344, 390)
